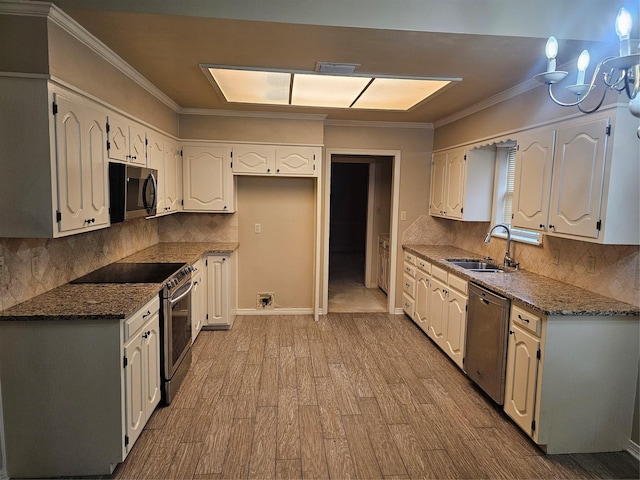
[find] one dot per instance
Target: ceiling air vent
(336, 68)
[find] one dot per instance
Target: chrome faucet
(508, 261)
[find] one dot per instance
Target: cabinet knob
(542, 226)
(278, 170)
(268, 170)
(225, 207)
(552, 226)
(511, 332)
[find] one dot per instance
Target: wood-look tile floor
(364, 396)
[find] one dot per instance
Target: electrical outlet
(264, 300)
(257, 228)
(556, 257)
(591, 264)
(34, 266)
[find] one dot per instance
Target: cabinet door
(97, 167)
(118, 146)
(438, 307)
(296, 160)
(155, 160)
(422, 301)
(198, 300)
(532, 182)
(438, 180)
(455, 183)
(70, 166)
(254, 159)
(217, 290)
(521, 377)
(151, 350)
(135, 388)
(578, 173)
(456, 326)
(208, 182)
(137, 145)
(173, 177)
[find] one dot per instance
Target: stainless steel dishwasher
(486, 347)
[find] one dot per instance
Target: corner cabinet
(53, 174)
(580, 180)
(283, 160)
(92, 385)
(555, 391)
(462, 184)
(220, 304)
(208, 181)
(164, 156)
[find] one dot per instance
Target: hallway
(347, 293)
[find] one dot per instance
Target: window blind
(508, 192)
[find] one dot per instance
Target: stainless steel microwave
(133, 191)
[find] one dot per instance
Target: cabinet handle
(526, 320)
(146, 314)
(552, 226)
(511, 332)
(145, 335)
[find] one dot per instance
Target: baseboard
(399, 311)
(275, 311)
(634, 449)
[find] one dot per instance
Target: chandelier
(621, 73)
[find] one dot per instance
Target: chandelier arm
(604, 93)
(563, 104)
(636, 86)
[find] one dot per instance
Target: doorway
(359, 210)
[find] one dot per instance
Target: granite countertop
(110, 301)
(540, 293)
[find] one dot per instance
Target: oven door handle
(173, 301)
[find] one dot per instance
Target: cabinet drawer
(439, 273)
(409, 285)
(408, 304)
(526, 319)
(458, 283)
(423, 265)
(409, 258)
(410, 269)
(136, 321)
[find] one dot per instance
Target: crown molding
(252, 114)
(73, 28)
(374, 124)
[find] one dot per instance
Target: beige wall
(415, 145)
(280, 259)
(24, 44)
(73, 62)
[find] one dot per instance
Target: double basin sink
(476, 265)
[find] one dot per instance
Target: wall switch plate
(257, 228)
(34, 266)
(403, 215)
(591, 264)
(556, 257)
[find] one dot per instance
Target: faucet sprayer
(508, 261)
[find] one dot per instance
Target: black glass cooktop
(132, 273)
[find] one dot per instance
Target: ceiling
(494, 45)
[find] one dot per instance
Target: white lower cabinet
(570, 380)
(198, 299)
(423, 286)
(142, 371)
(447, 313)
(76, 393)
(220, 291)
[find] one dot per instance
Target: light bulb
(551, 51)
(583, 63)
(623, 29)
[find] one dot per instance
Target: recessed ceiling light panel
(397, 93)
(253, 86)
(326, 90)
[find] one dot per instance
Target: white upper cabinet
(284, 160)
(208, 181)
(462, 184)
(580, 181)
(532, 182)
(164, 157)
(155, 160)
(127, 141)
(83, 196)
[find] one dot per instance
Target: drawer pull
(146, 314)
(525, 320)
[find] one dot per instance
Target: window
(503, 201)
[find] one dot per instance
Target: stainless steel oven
(176, 332)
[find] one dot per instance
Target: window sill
(520, 238)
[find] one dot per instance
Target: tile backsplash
(616, 273)
(35, 265)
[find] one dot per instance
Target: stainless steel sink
(476, 265)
